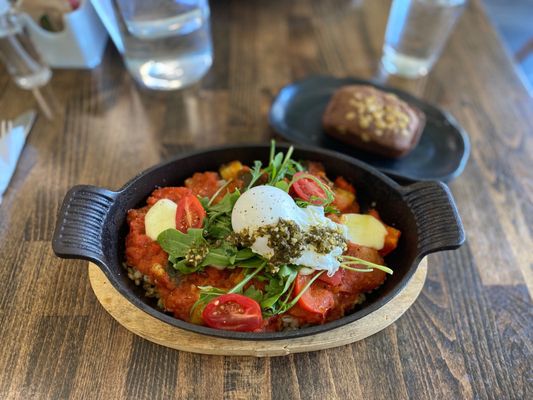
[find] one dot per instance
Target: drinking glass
(166, 44)
(417, 31)
(17, 52)
(22, 60)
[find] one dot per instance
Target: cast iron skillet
(92, 224)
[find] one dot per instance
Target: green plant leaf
(177, 244)
(278, 286)
(226, 204)
(254, 293)
(282, 185)
(256, 173)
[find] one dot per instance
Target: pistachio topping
(196, 254)
(382, 113)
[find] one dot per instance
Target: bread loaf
(373, 120)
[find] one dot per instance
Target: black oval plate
(441, 154)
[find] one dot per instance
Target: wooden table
(470, 333)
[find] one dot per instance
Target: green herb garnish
(218, 221)
(347, 261)
(279, 167)
(328, 209)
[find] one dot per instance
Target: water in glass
(167, 44)
(417, 31)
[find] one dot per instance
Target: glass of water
(417, 31)
(166, 44)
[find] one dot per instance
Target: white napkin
(11, 146)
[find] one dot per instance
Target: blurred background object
(68, 34)
(166, 44)
(417, 31)
(513, 20)
(13, 135)
(23, 62)
(17, 51)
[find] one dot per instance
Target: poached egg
(266, 205)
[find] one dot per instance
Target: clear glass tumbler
(417, 31)
(18, 54)
(166, 43)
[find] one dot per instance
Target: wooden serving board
(154, 330)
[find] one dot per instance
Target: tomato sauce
(178, 296)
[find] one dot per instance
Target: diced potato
(343, 199)
(231, 170)
(365, 230)
(160, 217)
(342, 183)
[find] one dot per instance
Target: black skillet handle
(81, 222)
(439, 223)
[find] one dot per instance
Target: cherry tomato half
(190, 214)
(316, 298)
(233, 312)
(308, 190)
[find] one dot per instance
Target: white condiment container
(80, 44)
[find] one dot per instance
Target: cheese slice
(365, 230)
(160, 217)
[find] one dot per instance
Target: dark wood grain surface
(470, 333)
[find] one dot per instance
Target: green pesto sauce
(196, 254)
(288, 240)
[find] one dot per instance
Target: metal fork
(5, 127)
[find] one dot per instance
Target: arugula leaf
(275, 165)
(226, 204)
(254, 294)
(185, 268)
(244, 254)
(278, 286)
(239, 286)
(280, 166)
(227, 255)
(219, 228)
(177, 244)
(281, 170)
(287, 306)
(329, 209)
(253, 262)
(207, 293)
(218, 222)
(220, 256)
(204, 201)
(220, 189)
(282, 185)
(256, 173)
(302, 203)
